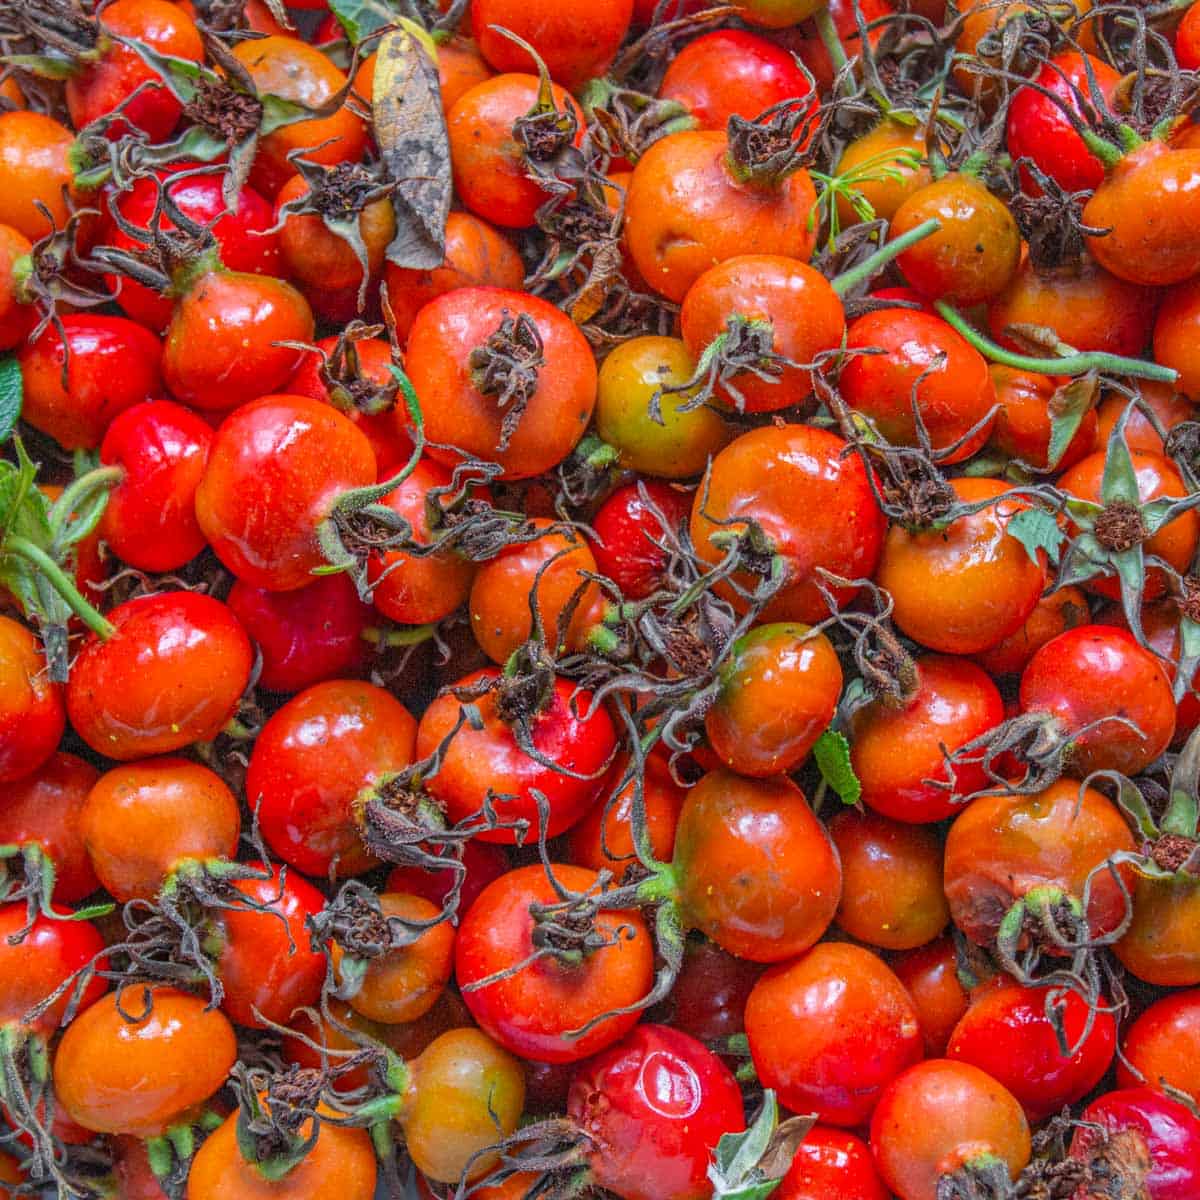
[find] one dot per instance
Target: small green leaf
(1068, 406)
(361, 18)
(1119, 481)
(12, 393)
(1037, 530)
(832, 755)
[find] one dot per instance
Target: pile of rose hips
(600, 599)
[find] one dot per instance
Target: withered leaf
(410, 128)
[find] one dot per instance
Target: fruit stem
(827, 32)
(1078, 363)
(871, 266)
(62, 584)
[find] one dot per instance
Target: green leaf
(1068, 406)
(12, 393)
(1037, 530)
(361, 18)
(410, 127)
(751, 1165)
(832, 755)
(1120, 479)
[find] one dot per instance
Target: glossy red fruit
(832, 1164)
(897, 751)
(531, 1010)
(930, 973)
(939, 1117)
(264, 956)
(242, 234)
(32, 717)
(1038, 128)
(36, 965)
(629, 543)
(567, 731)
(1161, 1048)
(1009, 1032)
(150, 519)
(310, 762)
(1088, 676)
(732, 72)
(114, 364)
(307, 635)
(43, 810)
(275, 470)
(17, 315)
(118, 71)
(955, 393)
(708, 999)
(482, 862)
(171, 675)
(830, 1030)
(652, 1108)
(812, 501)
(1164, 1131)
(459, 397)
(554, 32)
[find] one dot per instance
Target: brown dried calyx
(506, 366)
(1120, 526)
(1172, 850)
(1052, 222)
(224, 111)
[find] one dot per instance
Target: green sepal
(1038, 531)
(832, 756)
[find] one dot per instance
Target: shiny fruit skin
(443, 337)
(813, 502)
(307, 635)
(340, 1166)
(309, 764)
(754, 869)
(465, 1094)
(293, 70)
(487, 161)
(98, 88)
(731, 71)
(1161, 945)
(975, 252)
(1088, 307)
(1038, 129)
(222, 346)
(114, 363)
(171, 675)
(141, 1077)
(45, 958)
(571, 57)
(963, 588)
(897, 751)
(686, 211)
(17, 316)
(1001, 847)
(1169, 1132)
(1023, 425)
(144, 819)
(530, 1012)
(829, 1030)
(955, 393)
(629, 534)
(150, 519)
(1052, 615)
(779, 689)
(892, 881)
(930, 974)
(32, 717)
(483, 862)
(1147, 203)
(1161, 1048)
(831, 1164)
(43, 810)
(567, 731)
(1007, 1033)
(651, 1108)
(939, 1115)
(888, 178)
(1091, 673)
(708, 1000)
(35, 165)
(405, 982)
(803, 310)
(629, 378)
(1175, 332)
(476, 256)
(274, 472)
(603, 840)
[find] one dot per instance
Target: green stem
(73, 495)
(827, 32)
(63, 585)
(410, 635)
(870, 267)
(1078, 363)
